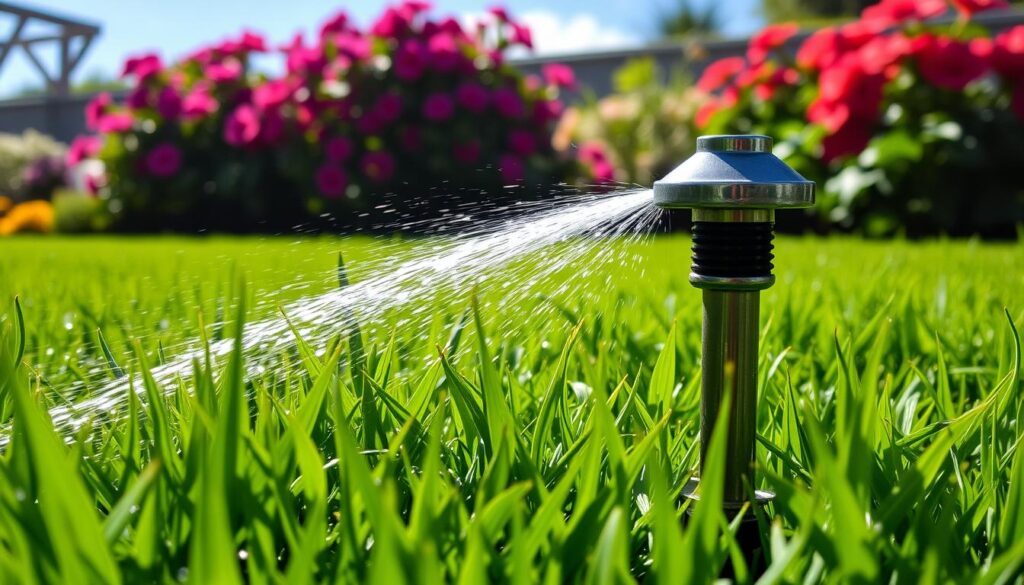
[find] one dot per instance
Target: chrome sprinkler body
(733, 184)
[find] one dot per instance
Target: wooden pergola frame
(58, 83)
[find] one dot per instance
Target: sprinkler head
(734, 184)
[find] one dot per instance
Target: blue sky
(174, 27)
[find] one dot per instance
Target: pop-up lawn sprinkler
(734, 184)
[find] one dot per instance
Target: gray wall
(63, 118)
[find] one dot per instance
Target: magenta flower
(95, 110)
(378, 166)
(116, 122)
(508, 103)
(242, 126)
(353, 45)
(302, 59)
(410, 60)
(472, 96)
(522, 142)
(443, 52)
(223, 72)
(591, 153)
(272, 93)
(499, 13)
(142, 67)
(338, 149)
(335, 24)
(521, 35)
(164, 160)
(331, 181)
(388, 107)
(466, 152)
(394, 23)
(559, 75)
(138, 98)
(271, 127)
(198, 103)
(252, 42)
(545, 111)
(438, 107)
(168, 103)
(81, 148)
(512, 168)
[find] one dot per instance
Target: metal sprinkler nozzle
(734, 184)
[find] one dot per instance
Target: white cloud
(556, 34)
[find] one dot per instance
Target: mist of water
(547, 238)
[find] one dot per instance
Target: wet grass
(543, 442)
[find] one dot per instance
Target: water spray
(733, 184)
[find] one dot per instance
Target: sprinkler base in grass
(733, 184)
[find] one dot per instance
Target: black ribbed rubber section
(733, 249)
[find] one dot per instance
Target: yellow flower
(31, 216)
(5, 204)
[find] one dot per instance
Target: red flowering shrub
(397, 108)
(914, 125)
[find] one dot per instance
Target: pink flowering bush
(910, 124)
(361, 118)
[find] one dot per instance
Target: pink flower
(522, 142)
(472, 96)
(242, 126)
(302, 59)
(331, 181)
(508, 103)
(499, 13)
(335, 24)
(116, 122)
(410, 60)
(769, 39)
(591, 153)
(466, 152)
(198, 103)
(338, 149)
(558, 75)
(81, 148)
(95, 110)
(164, 160)
(168, 103)
(379, 166)
(352, 46)
(438, 107)
(251, 42)
(392, 24)
(142, 67)
(545, 111)
(1008, 52)
(603, 172)
(443, 52)
(138, 98)
(512, 168)
(521, 35)
(720, 73)
(388, 107)
(226, 71)
(272, 93)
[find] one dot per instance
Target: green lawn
(550, 445)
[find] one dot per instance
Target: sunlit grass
(548, 441)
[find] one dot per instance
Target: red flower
(888, 13)
(164, 160)
(968, 8)
(379, 166)
(82, 148)
(242, 126)
(770, 38)
(946, 62)
(878, 54)
(142, 67)
(720, 73)
(850, 138)
(1008, 52)
(472, 96)
(559, 75)
(331, 181)
(438, 107)
(830, 115)
(848, 82)
(512, 168)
